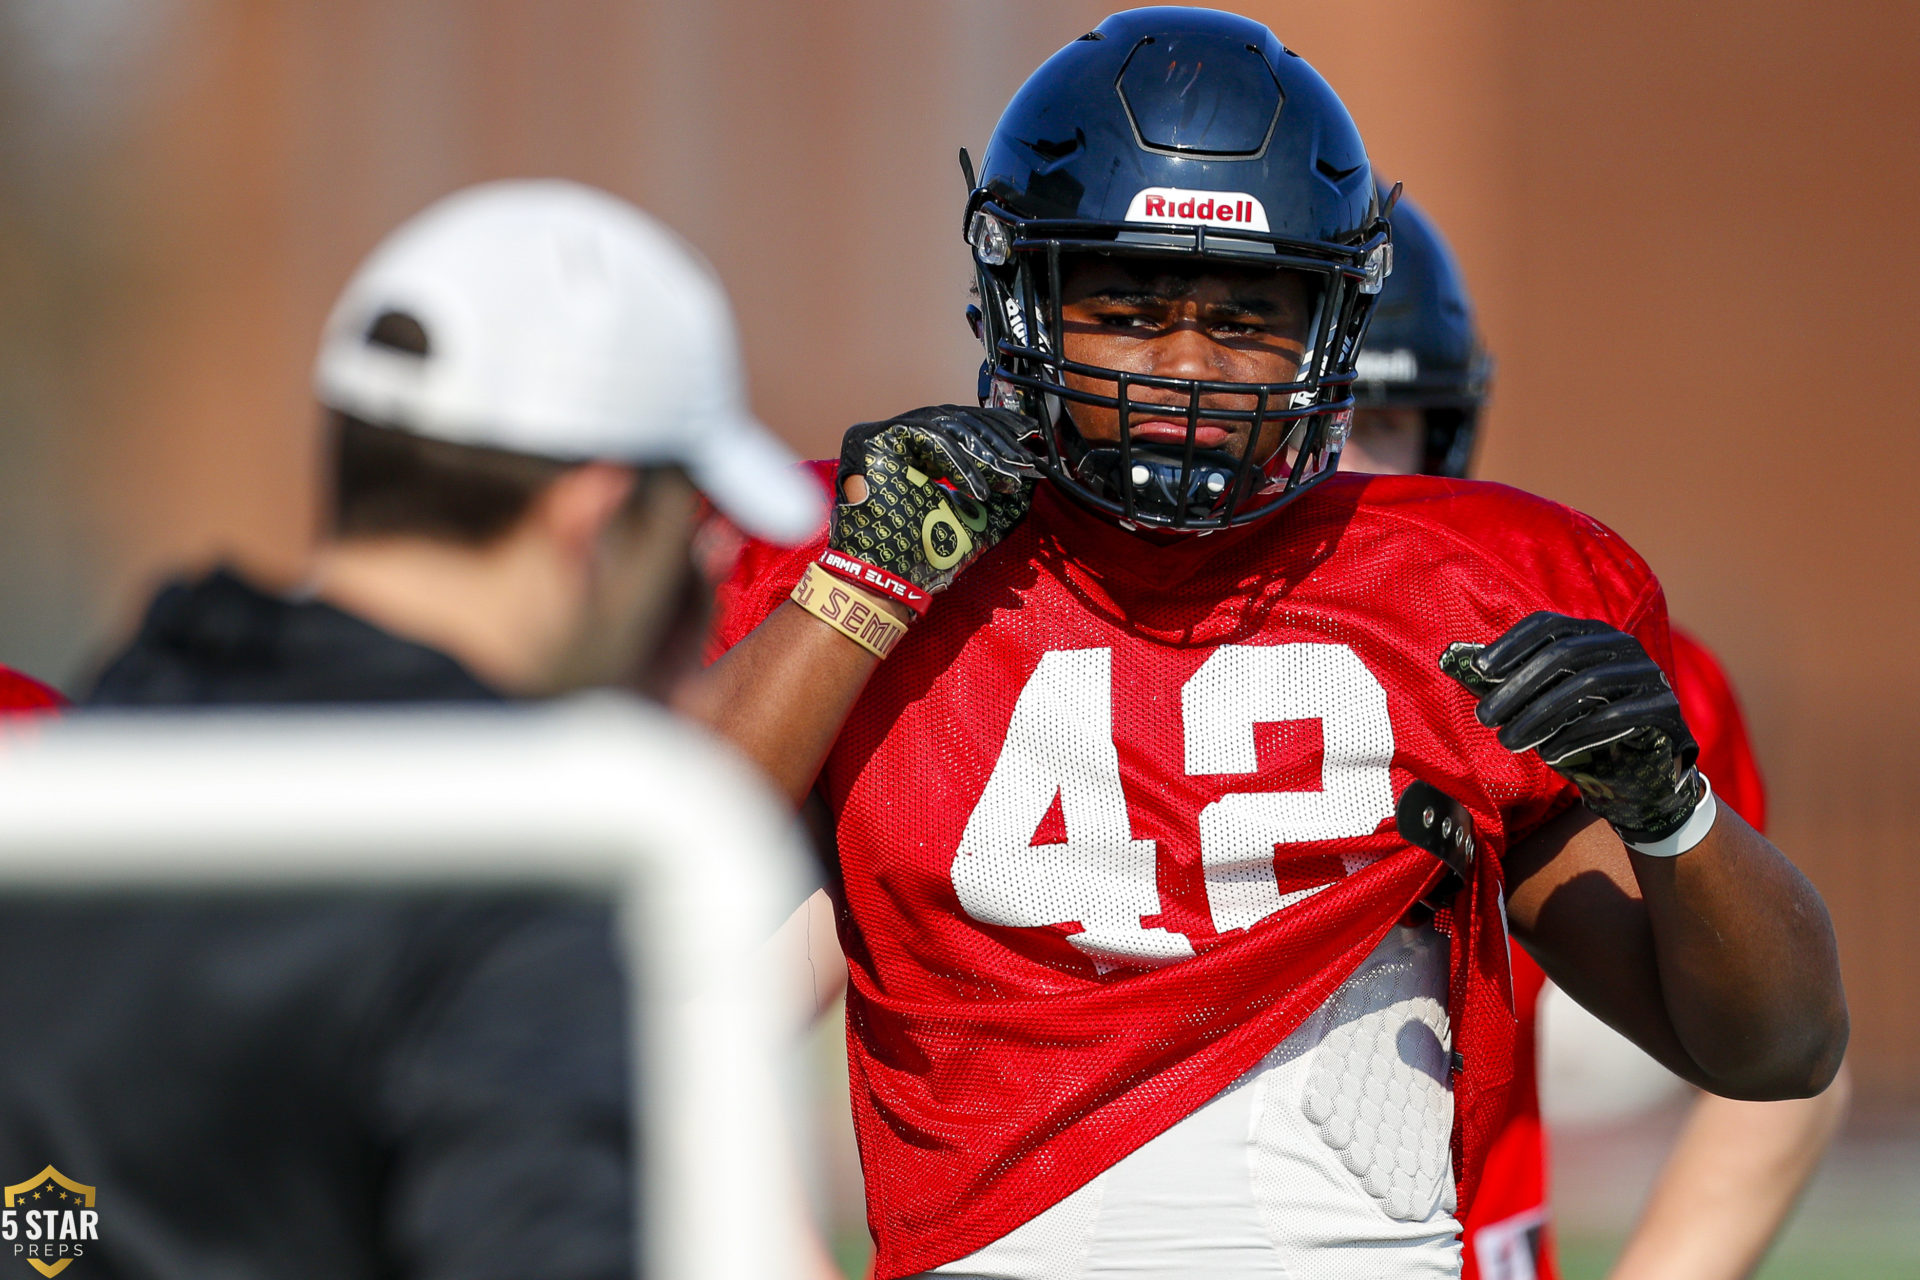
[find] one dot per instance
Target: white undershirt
(1329, 1160)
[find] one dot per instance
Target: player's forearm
(781, 695)
(1706, 946)
(1729, 1185)
(1749, 970)
(1722, 969)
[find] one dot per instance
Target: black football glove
(1598, 710)
(910, 524)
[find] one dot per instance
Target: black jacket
(342, 1085)
(221, 641)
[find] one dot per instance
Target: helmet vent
(1334, 171)
(1048, 149)
(1200, 94)
(398, 331)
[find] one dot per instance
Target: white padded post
(601, 794)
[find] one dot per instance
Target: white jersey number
(1060, 744)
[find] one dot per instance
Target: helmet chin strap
(1301, 399)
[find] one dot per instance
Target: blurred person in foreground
(530, 389)
(1134, 717)
(1739, 1167)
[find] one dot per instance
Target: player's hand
(894, 512)
(1598, 710)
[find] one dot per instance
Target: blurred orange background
(1688, 228)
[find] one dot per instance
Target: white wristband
(1692, 833)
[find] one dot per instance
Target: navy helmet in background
(1422, 350)
(1185, 134)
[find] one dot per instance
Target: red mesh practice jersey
(1713, 713)
(1508, 1233)
(23, 693)
(1117, 815)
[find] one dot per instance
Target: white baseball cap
(561, 321)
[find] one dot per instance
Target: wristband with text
(871, 577)
(856, 614)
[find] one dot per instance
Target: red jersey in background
(24, 693)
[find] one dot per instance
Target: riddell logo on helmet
(1398, 365)
(1234, 209)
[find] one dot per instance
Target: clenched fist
(1599, 711)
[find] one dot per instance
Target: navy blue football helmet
(1422, 350)
(1180, 134)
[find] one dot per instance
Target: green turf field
(1860, 1219)
(1796, 1258)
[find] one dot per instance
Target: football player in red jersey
(1739, 1167)
(22, 693)
(1113, 688)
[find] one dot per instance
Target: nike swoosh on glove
(910, 523)
(1599, 711)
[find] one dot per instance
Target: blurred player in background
(1739, 1166)
(1143, 980)
(531, 388)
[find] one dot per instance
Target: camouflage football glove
(909, 523)
(1598, 710)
